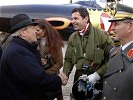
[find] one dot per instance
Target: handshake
(93, 78)
(64, 78)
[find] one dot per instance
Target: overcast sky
(14, 2)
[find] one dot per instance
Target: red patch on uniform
(130, 53)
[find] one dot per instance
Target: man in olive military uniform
(87, 46)
(118, 80)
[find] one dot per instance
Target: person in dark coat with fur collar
(118, 80)
(21, 74)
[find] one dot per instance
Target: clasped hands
(93, 78)
(64, 78)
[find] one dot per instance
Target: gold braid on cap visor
(121, 16)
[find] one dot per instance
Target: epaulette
(114, 51)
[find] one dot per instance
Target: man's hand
(44, 61)
(64, 78)
(93, 78)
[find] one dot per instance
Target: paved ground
(67, 88)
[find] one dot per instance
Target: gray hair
(128, 21)
(17, 33)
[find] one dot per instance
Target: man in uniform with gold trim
(118, 80)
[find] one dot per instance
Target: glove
(90, 86)
(93, 78)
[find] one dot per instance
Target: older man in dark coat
(21, 76)
(118, 80)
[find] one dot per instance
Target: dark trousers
(60, 96)
(53, 95)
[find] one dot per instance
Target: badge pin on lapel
(130, 53)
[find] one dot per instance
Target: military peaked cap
(122, 12)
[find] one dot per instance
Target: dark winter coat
(21, 76)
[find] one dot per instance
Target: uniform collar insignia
(130, 53)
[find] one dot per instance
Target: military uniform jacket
(118, 80)
(92, 46)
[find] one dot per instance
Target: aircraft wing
(37, 11)
(58, 15)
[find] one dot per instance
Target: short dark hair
(83, 12)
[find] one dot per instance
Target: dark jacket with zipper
(21, 74)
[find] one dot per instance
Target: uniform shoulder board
(106, 33)
(114, 51)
